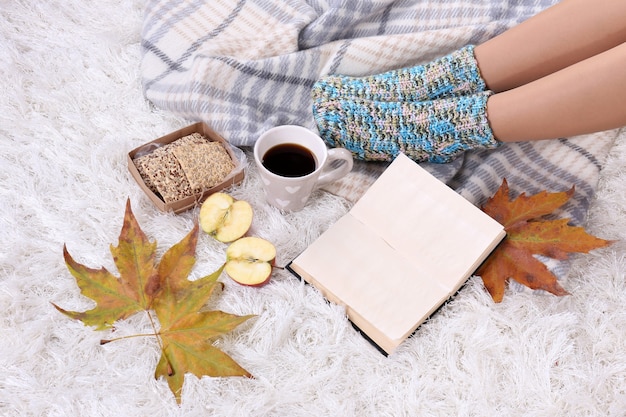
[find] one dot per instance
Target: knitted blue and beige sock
(434, 131)
(454, 74)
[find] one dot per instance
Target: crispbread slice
(194, 138)
(205, 165)
(167, 177)
(161, 171)
(140, 163)
(184, 167)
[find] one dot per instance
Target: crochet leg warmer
(434, 131)
(454, 74)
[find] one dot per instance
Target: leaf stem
(170, 368)
(105, 341)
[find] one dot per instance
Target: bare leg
(561, 35)
(586, 97)
(559, 74)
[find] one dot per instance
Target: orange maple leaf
(528, 234)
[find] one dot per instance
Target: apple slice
(225, 218)
(249, 261)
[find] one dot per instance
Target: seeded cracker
(162, 172)
(140, 163)
(168, 177)
(205, 165)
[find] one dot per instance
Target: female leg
(587, 97)
(562, 35)
(557, 74)
(564, 70)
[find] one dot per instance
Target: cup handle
(334, 169)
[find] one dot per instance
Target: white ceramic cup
(291, 193)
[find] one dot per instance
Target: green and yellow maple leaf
(186, 329)
(528, 233)
(118, 298)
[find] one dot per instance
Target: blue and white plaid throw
(244, 66)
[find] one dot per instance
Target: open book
(404, 248)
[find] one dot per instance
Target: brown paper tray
(235, 177)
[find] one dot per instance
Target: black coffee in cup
(289, 160)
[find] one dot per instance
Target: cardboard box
(235, 177)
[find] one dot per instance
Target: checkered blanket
(244, 66)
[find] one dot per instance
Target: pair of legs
(558, 74)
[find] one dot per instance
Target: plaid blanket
(244, 66)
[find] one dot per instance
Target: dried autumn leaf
(528, 234)
(118, 298)
(187, 331)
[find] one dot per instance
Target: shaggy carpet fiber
(70, 110)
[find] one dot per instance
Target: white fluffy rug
(71, 108)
